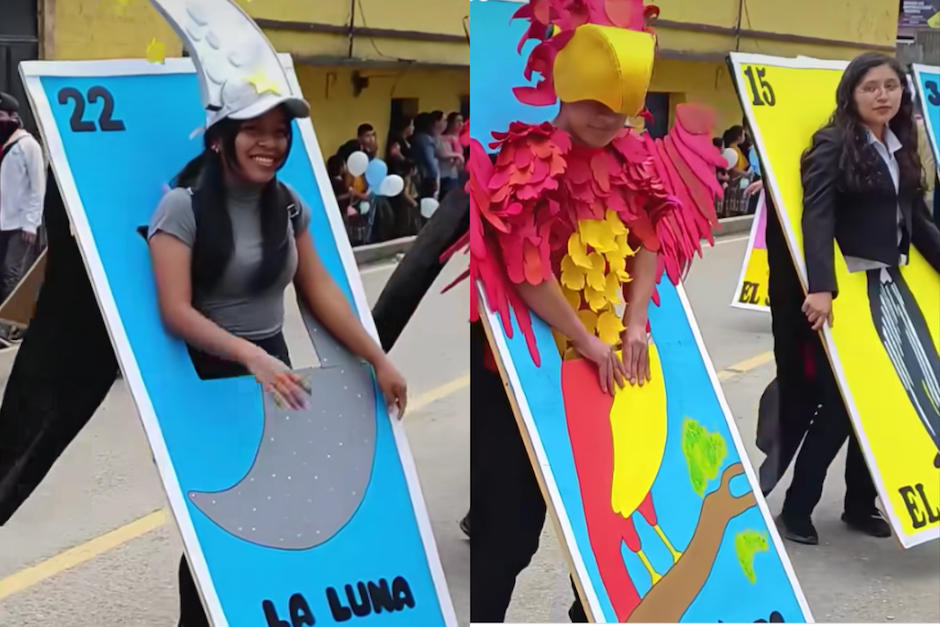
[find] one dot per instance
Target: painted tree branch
(668, 600)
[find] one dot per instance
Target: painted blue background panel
(212, 429)
(727, 594)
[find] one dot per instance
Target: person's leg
(447, 184)
(192, 613)
(785, 416)
(4, 240)
(508, 509)
(860, 493)
(860, 512)
(823, 441)
(14, 263)
(576, 613)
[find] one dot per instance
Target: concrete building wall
(420, 51)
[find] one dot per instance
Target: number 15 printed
(756, 76)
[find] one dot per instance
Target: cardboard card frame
(736, 60)
(32, 72)
(542, 467)
(760, 219)
(932, 125)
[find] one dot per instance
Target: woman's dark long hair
(858, 165)
(215, 241)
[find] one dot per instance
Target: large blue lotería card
(653, 493)
(288, 518)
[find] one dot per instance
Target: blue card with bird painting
(288, 518)
(651, 488)
(927, 83)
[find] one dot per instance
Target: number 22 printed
(105, 121)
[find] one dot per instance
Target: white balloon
(731, 157)
(428, 207)
(357, 163)
(391, 186)
(364, 207)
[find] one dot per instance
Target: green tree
(746, 544)
(704, 453)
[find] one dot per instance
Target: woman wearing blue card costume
(862, 187)
(230, 238)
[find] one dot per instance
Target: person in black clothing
(62, 371)
(862, 187)
(507, 504)
(397, 156)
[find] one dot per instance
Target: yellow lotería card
(895, 407)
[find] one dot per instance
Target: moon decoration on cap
(240, 75)
(312, 466)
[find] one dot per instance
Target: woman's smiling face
(261, 146)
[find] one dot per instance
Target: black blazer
(864, 224)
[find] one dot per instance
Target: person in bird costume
(577, 220)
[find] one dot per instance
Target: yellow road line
(28, 577)
(436, 394)
(744, 366)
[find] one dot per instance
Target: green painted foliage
(746, 544)
(704, 453)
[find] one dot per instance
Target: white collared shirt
(22, 184)
(886, 151)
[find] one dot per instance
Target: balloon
(391, 186)
(731, 157)
(428, 207)
(357, 163)
(364, 207)
(376, 173)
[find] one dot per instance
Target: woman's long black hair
(858, 166)
(215, 241)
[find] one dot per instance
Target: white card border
(739, 59)
(929, 123)
(32, 72)
(761, 206)
(494, 322)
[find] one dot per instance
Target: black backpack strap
(291, 205)
(9, 147)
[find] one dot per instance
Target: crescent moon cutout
(312, 467)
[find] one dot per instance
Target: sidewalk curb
(371, 253)
(376, 252)
(733, 226)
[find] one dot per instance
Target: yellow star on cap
(156, 51)
(263, 83)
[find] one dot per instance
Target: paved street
(106, 480)
(848, 578)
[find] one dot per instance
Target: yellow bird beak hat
(599, 50)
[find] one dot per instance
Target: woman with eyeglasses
(863, 188)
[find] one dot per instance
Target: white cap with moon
(240, 75)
